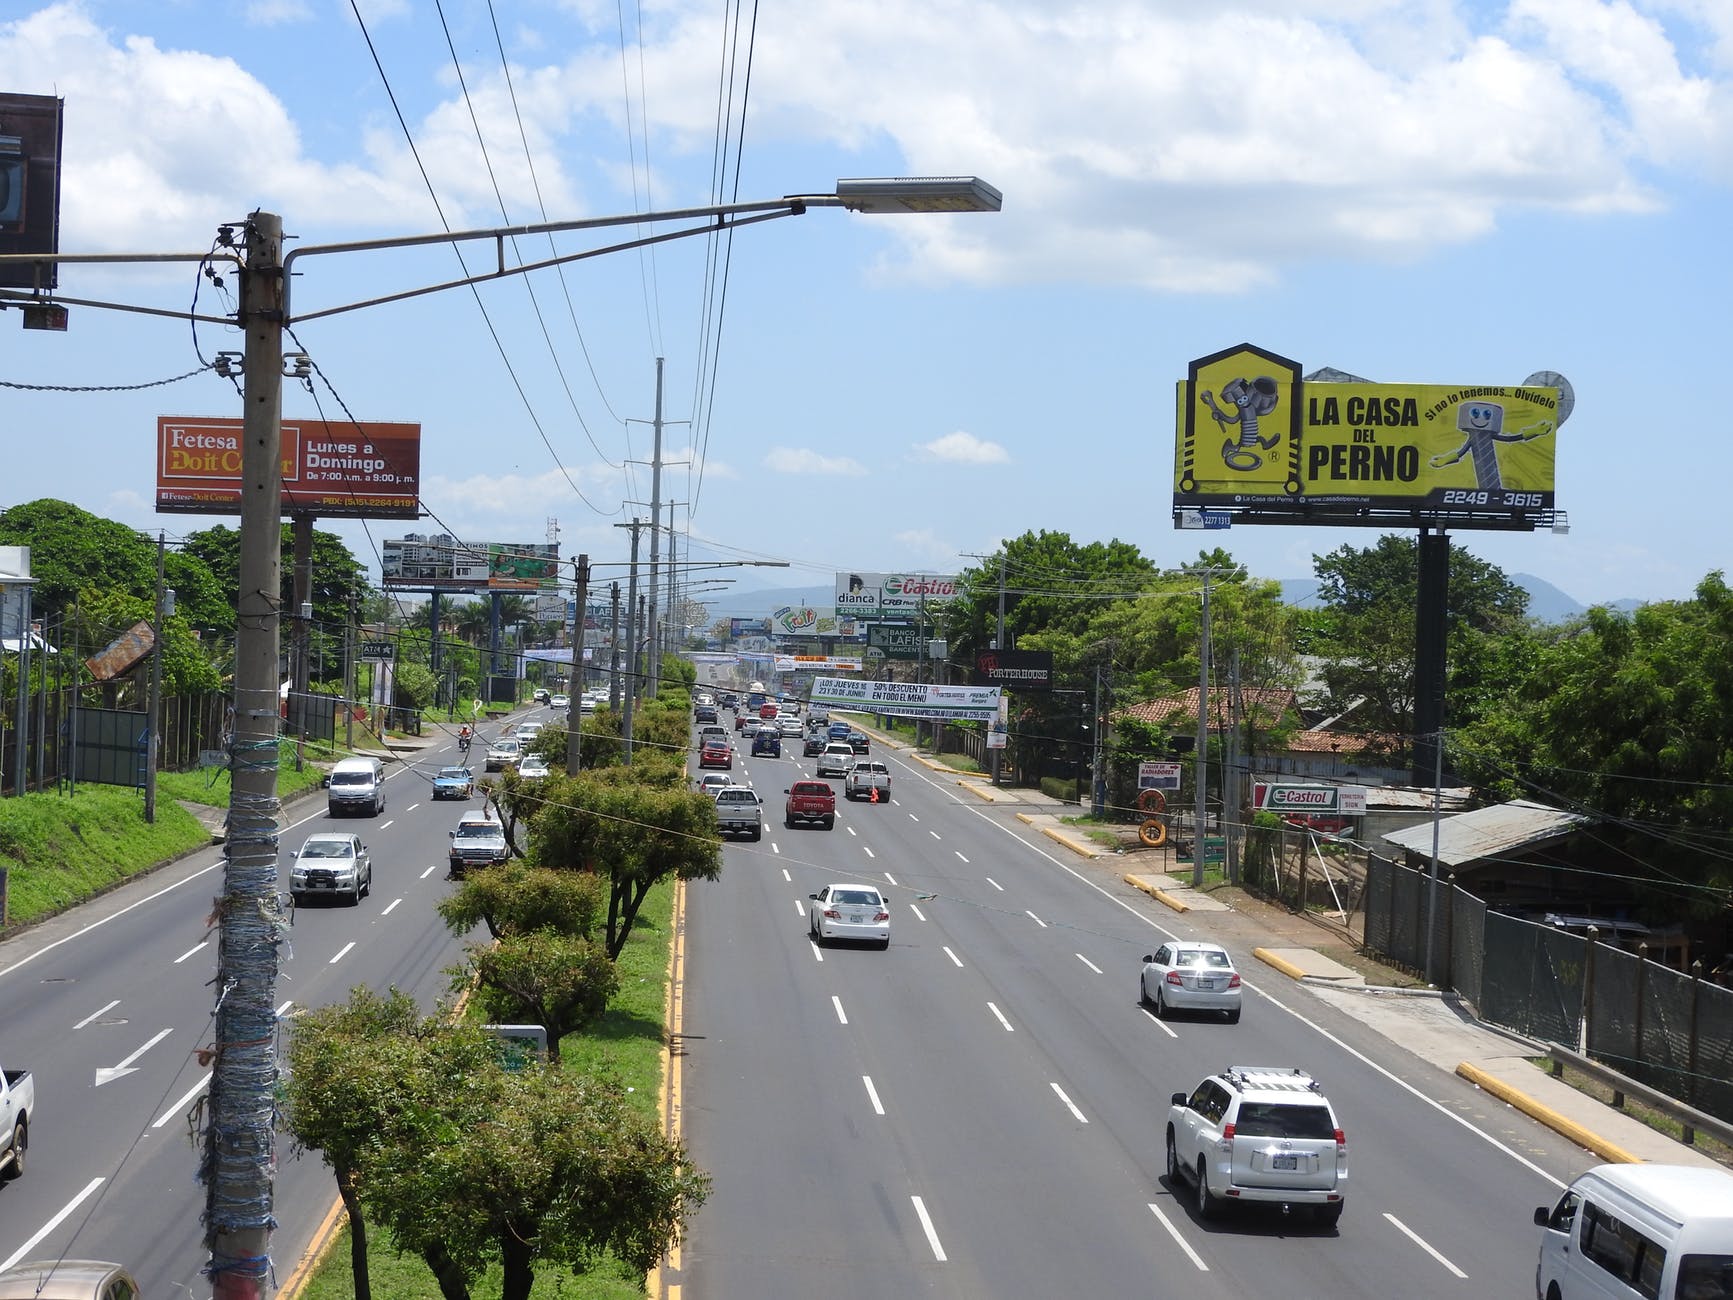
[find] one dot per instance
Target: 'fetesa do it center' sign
(359, 470)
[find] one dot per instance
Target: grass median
(626, 1043)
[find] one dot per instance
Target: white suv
(1258, 1133)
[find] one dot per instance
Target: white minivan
(1663, 1232)
(356, 785)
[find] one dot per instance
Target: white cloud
(964, 449)
(802, 460)
(271, 13)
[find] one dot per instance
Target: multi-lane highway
(110, 1007)
(979, 1110)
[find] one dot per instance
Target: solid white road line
(955, 960)
(190, 951)
(425, 874)
(995, 1010)
(391, 907)
(1174, 1233)
(179, 1108)
(1069, 1104)
(927, 1227)
(94, 1014)
(873, 1094)
(55, 1222)
(841, 1015)
(1159, 1024)
(891, 878)
(341, 954)
(1092, 966)
(995, 884)
(1415, 1238)
(1038, 921)
(917, 911)
(959, 853)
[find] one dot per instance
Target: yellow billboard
(1254, 437)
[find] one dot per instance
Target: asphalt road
(980, 1110)
(109, 1005)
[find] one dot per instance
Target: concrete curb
(1546, 1115)
(1077, 846)
(1286, 967)
(1160, 896)
(984, 795)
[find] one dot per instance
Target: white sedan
(849, 911)
(788, 724)
(1187, 975)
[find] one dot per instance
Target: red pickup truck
(810, 801)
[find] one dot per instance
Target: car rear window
(857, 897)
(811, 787)
(1283, 1119)
(1199, 957)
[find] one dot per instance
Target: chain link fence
(1657, 1025)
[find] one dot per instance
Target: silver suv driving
(1258, 1133)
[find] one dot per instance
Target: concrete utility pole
(574, 689)
(996, 755)
(655, 666)
(153, 710)
(633, 632)
(239, 1159)
(614, 646)
(1200, 765)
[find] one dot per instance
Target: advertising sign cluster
(738, 627)
(1257, 440)
(1277, 797)
(1018, 670)
(910, 699)
(894, 640)
(30, 140)
(815, 663)
(804, 620)
(892, 595)
(523, 566)
(442, 563)
(349, 470)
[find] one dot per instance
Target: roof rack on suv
(1270, 1076)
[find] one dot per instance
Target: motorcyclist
(463, 738)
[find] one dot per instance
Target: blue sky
(1423, 192)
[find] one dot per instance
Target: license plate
(1285, 1162)
(1206, 984)
(856, 918)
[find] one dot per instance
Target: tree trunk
(446, 1272)
(517, 1261)
(357, 1238)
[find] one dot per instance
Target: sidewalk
(1436, 1027)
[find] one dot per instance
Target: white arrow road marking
(52, 1224)
(109, 1073)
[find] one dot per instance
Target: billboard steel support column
(1430, 622)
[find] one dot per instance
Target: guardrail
(1689, 1117)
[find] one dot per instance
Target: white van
(356, 785)
(1663, 1232)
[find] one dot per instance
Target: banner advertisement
(803, 620)
(816, 663)
(524, 566)
(31, 128)
(436, 563)
(910, 699)
(1255, 439)
(350, 470)
(1280, 797)
(894, 640)
(893, 595)
(1018, 670)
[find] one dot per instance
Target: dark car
(838, 731)
(704, 713)
(815, 744)
(729, 700)
(857, 741)
(767, 742)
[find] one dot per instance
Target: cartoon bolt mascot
(1252, 398)
(1482, 426)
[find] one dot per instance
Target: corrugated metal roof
(1497, 831)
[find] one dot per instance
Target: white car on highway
(850, 911)
(331, 862)
(1189, 976)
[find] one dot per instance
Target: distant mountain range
(1545, 601)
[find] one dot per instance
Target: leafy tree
(199, 598)
(413, 685)
(1052, 584)
(72, 551)
(1371, 596)
(519, 899)
(336, 573)
(632, 833)
(559, 981)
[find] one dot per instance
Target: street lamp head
(918, 194)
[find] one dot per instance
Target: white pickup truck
(868, 780)
(17, 1106)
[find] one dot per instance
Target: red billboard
(359, 470)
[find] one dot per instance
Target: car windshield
(856, 897)
(1201, 957)
(351, 778)
(453, 774)
(1282, 1119)
(325, 849)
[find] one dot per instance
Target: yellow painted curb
(1546, 1115)
(1287, 967)
(985, 796)
(668, 1095)
(1165, 899)
(1060, 837)
(1028, 818)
